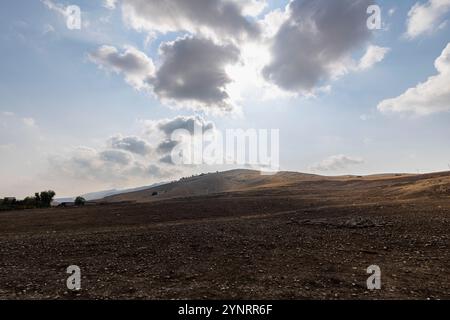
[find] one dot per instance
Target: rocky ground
(230, 246)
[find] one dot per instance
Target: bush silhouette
(80, 201)
(45, 198)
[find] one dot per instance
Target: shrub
(80, 201)
(46, 198)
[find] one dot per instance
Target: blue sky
(56, 98)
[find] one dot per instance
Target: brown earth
(238, 235)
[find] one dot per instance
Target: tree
(80, 201)
(30, 201)
(46, 198)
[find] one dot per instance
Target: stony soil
(273, 244)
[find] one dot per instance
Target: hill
(400, 185)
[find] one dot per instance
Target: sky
(92, 106)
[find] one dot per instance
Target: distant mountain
(106, 193)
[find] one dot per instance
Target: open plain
(239, 235)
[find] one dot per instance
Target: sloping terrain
(402, 185)
(213, 183)
(288, 236)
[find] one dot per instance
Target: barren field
(305, 238)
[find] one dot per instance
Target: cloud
(373, 55)
(426, 17)
(336, 163)
(251, 7)
(168, 126)
(273, 21)
(116, 156)
(110, 4)
(128, 160)
(194, 126)
(110, 166)
(119, 161)
(167, 146)
(193, 73)
(219, 18)
(167, 159)
(132, 144)
(428, 97)
(315, 43)
(135, 65)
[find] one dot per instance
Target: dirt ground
(273, 244)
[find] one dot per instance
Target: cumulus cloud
(132, 144)
(111, 166)
(135, 65)
(166, 146)
(128, 160)
(107, 166)
(168, 126)
(426, 17)
(428, 97)
(193, 72)
(314, 44)
(373, 55)
(167, 159)
(193, 126)
(116, 156)
(310, 42)
(219, 18)
(336, 163)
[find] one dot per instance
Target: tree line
(40, 200)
